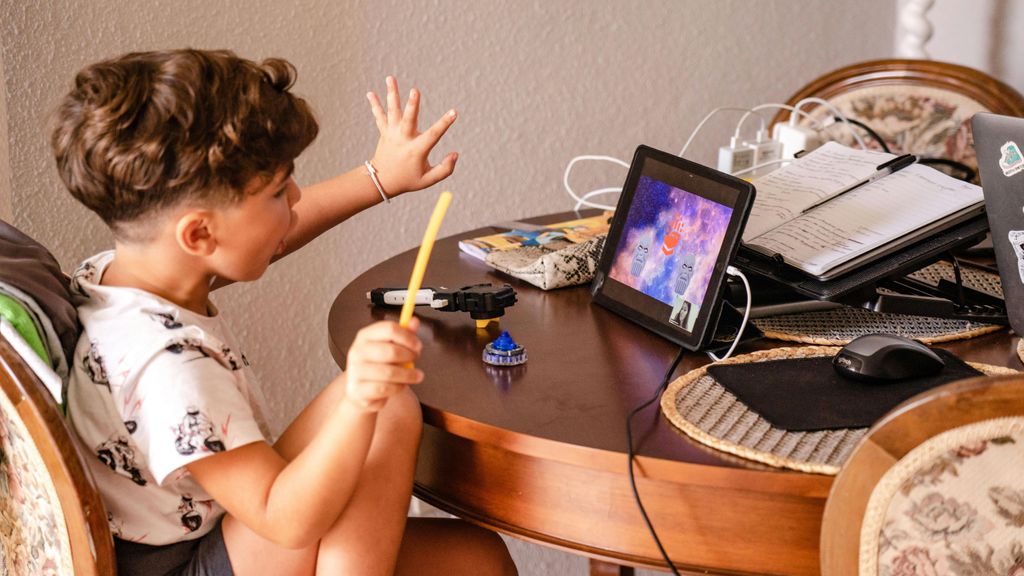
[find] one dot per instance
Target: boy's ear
(194, 233)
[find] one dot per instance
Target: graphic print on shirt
(191, 520)
(93, 364)
(181, 345)
(119, 456)
(196, 429)
(168, 319)
(233, 361)
(86, 272)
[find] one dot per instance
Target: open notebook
(860, 226)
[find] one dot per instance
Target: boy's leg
(446, 547)
(307, 423)
(366, 537)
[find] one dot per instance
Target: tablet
(676, 227)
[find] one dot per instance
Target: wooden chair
(919, 107)
(51, 518)
(936, 487)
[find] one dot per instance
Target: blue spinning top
(504, 351)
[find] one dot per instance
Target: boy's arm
(401, 161)
(294, 503)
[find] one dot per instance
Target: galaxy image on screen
(670, 242)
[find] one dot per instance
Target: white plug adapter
(795, 138)
(766, 151)
(735, 157)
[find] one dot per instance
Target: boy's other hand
(379, 364)
(401, 158)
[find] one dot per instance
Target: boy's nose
(294, 192)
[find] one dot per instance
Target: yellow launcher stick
(420, 268)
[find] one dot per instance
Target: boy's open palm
(379, 363)
(401, 158)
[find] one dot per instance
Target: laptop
(999, 143)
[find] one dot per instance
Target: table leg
(601, 568)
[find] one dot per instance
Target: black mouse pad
(806, 394)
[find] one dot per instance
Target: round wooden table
(539, 451)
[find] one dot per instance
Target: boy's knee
(403, 415)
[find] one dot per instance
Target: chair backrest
(935, 487)
(52, 520)
(918, 107)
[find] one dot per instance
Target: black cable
(966, 173)
(956, 169)
(874, 135)
(629, 452)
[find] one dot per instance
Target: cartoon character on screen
(639, 257)
(683, 313)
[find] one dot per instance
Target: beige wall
(982, 34)
(536, 83)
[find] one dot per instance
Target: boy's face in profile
(253, 231)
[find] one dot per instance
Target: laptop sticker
(1010, 159)
(1017, 241)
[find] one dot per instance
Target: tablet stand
(883, 285)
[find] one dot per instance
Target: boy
(187, 156)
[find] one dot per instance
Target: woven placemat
(705, 411)
(838, 326)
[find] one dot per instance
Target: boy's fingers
(388, 374)
(411, 113)
(441, 171)
(378, 111)
(435, 132)
(387, 352)
(389, 332)
(394, 104)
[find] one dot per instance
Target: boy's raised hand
(379, 364)
(401, 158)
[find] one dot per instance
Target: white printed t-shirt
(154, 387)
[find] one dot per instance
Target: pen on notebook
(895, 165)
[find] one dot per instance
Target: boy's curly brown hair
(148, 130)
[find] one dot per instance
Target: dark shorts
(206, 556)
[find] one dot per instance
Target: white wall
(982, 34)
(536, 83)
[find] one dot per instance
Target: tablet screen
(675, 229)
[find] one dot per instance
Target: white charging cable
(835, 112)
(585, 199)
(757, 167)
(732, 271)
(686, 146)
(771, 105)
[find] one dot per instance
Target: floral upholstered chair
(52, 521)
(917, 107)
(936, 487)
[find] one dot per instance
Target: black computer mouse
(886, 357)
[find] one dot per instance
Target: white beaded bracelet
(373, 176)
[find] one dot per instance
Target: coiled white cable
(746, 315)
(583, 201)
